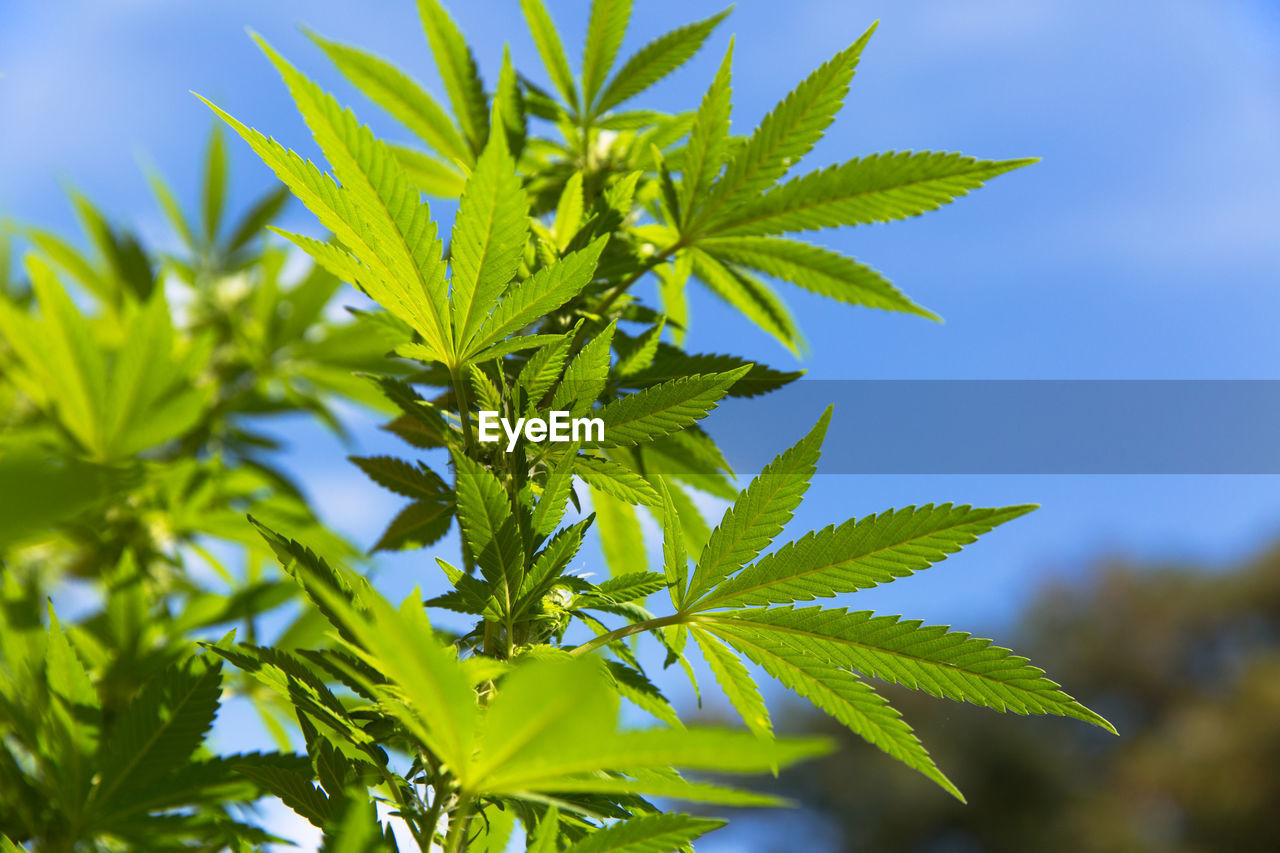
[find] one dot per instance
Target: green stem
(622, 287)
(628, 630)
(432, 818)
(464, 405)
(456, 840)
(408, 810)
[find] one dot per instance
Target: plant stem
(456, 840)
(628, 630)
(432, 818)
(464, 405)
(622, 286)
(407, 809)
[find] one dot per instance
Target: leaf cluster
(527, 305)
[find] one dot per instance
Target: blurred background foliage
(134, 387)
(1184, 659)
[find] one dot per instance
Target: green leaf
(637, 354)
(633, 686)
(418, 525)
(544, 839)
(152, 394)
(620, 535)
(695, 527)
(509, 107)
(489, 236)
(656, 60)
(357, 830)
(658, 784)
(77, 712)
(290, 678)
(157, 732)
(427, 174)
(814, 268)
(74, 263)
(484, 392)
(943, 663)
(122, 257)
(878, 188)
(375, 212)
(693, 749)
(330, 257)
(670, 362)
(427, 691)
(555, 495)
(60, 352)
(544, 367)
(401, 477)
(551, 562)
(788, 132)
(617, 480)
(760, 513)
(842, 695)
(516, 344)
(585, 377)
(402, 97)
(172, 210)
(568, 211)
(314, 575)
(658, 833)
(708, 140)
(858, 554)
(539, 294)
(259, 215)
(214, 190)
(489, 529)
(675, 559)
(736, 682)
(753, 298)
(666, 408)
(294, 789)
(605, 29)
(547, 39)
(459, 72)
(541, 708)
(630, 587)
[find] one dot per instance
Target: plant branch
(628, 630)
(456, 839)
(622, 286)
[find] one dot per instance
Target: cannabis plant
(529, 320)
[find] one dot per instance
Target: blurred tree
(1184, 660)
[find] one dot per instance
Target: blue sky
(1146, 245)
